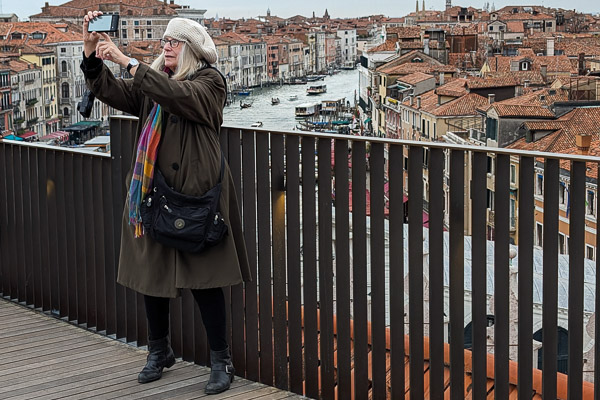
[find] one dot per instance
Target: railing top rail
(439, 145)
(55, 148)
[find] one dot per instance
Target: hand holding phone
(104, 23)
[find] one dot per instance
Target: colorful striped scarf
(143, 171)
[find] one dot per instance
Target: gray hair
(187, 63)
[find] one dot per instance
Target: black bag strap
(222, 167)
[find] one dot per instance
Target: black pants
(212, 306)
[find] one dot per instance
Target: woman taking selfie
(179, 100)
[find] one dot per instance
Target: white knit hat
(195, 36)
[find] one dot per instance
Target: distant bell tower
(417, 10)
(268, 12)
(423, 8)
(448, 4)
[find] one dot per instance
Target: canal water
(282, 116)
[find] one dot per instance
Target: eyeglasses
(173, 42)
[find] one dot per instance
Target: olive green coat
(189, 158)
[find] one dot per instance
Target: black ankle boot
(221, 372)
(160, 356)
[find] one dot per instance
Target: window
(65, 90)
(513, 213)
(123, 22)
(562, 194)
(513, 174)
(63, 50)
(490, 199)
(148, 22)
(539, 185)
(539, 234)
(136, 23)
(590, 203)
(589, 252)
(123, 33)
(491, 128)
(491, 28)
(63, 66)
(562, 244)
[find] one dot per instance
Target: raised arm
(117, 93)
(195, 99)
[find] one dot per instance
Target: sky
(337, 8)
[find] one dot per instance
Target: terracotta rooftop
(413, 79)
(76, 8)
(405, 32)
(555, 64)
(463, 106)
(515, 26)
(534, 77)
(388, 45)
(492, 82)
(20, 65)
(454, 88)
(53, 33)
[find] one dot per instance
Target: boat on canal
(307, 110)
(316, 89)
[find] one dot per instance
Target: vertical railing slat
(249, 204)
(359, 275)
(263, 199)
(89, 231)
(550, 279)
(415, 270)
(377, 242)
(99, 213)
(309, 258)
(576, 247)
(479, 274)
(234, 159)
(436, 274)
(525, 285)
(342, 270)
(19, 232)
(501, 276)
(325, 268)
(279, 268)
(294, 272)
(457, 272)
(396, 270)
(36, 223)
(5, 254)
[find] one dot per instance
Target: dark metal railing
(315, 334)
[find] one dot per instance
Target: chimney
(583, 142)
(544, 72)
(581, 63)
(550, 46)
(418, 101)
(526, 83)
(491, 98)
(412, 100)
(441, 78)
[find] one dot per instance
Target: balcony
(31, 102)
(32, 121)
(65, 100)
(331, 288)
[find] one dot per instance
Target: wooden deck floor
(45, 358)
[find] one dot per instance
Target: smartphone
(104, 23)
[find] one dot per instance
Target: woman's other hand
(107, 50)
(90, 39)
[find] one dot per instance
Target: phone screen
(101, 24)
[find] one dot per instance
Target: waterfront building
(26, 89)
(5, 99)
(348, 44)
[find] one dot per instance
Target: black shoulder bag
(187, 223)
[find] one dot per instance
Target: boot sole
(220, 391)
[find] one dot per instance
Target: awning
(12, 137)
(52, 121)
(61, 136)
(28, 134)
